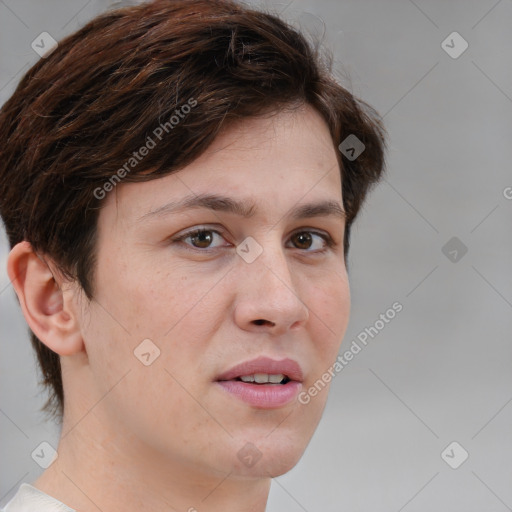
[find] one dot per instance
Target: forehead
(275, 160)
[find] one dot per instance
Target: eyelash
(329, 242)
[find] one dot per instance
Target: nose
(268, 299)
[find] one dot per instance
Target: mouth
(264, 378)
(263, 383)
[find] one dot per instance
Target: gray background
(440, 371)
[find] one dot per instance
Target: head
(154, 105)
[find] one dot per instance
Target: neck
(99, 469)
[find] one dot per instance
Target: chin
(269, 456)
(270, 466)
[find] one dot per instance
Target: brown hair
(78, 115)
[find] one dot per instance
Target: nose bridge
(272, 265)
(267, 288)
(276, 263)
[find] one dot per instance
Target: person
(178, 180)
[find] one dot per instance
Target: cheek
(329, 303)
(137, 300)
(180, 319)
(158, 299)
(180, 302)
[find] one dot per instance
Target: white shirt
(30, 499)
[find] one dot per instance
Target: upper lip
(287, 367)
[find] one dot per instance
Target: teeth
(263, 378)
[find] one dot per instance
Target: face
(185, 294)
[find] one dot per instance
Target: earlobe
(47, 305)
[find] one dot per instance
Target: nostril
(261, 322)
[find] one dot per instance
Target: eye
(305, 240)
(200, 238)
(204, 239)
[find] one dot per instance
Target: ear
(49, 307)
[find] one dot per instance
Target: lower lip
(265, 396)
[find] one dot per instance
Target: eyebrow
(243, 209)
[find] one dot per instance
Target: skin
(164, 436)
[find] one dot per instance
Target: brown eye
(201, 239)
(205, 239)
(302, 240)
(312, 242)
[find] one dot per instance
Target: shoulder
(30, 499)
